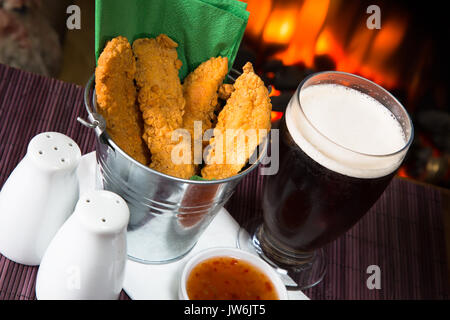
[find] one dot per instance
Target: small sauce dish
(229, 274)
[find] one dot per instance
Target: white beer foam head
(346, 131)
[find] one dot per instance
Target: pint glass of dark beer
(342, 138)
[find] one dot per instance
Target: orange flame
(402, 172)
(276, 115)
(308, 28)
(357, 50)
(309, 23)
(274, 92)
(259, 12)
(384, 46)
(280, 25)
(327, 45)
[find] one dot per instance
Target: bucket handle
(95, 121)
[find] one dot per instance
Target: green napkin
(202, 28)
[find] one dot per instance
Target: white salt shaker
(86, 259)
(39, 195)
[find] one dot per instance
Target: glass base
(298, 270)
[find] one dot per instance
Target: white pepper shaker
(39, 195)
(86, 259)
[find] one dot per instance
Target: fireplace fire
(289, 39)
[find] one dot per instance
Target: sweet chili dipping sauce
(227, 278)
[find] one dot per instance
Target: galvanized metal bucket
(167, 214)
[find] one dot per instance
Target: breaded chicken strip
(225, 91)
(241, 127)
(161, 101)
(200, 92)
(116, 98)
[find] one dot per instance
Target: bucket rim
(102, 134)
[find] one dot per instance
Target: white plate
(160, 282)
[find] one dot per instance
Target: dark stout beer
(339, 149)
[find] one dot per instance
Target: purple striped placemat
(31, 104)
(402, 233)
